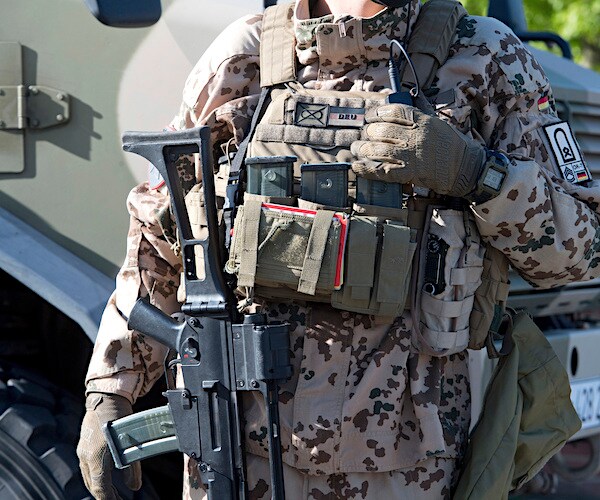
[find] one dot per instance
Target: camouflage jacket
(360, 399)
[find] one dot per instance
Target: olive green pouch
(378, 267)
(286, 252)
(490, 298)
(526, 418)
(303, 254)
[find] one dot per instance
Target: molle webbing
(430, 39)
(277, 46)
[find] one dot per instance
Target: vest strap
(231, 191)
(429, 45)
(249, 251)
(315, 249)
(277, 46)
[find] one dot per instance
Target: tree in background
(577, 21)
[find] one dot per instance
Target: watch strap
(493, 175)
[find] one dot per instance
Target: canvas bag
(527, 417)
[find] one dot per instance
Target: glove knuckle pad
(385, 131)
(396, 113)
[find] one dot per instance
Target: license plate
(585, 395)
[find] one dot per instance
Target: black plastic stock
(209, 295)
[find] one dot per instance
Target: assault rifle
(221, 354)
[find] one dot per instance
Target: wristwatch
(489, 184)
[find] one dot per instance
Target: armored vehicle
(69, 87)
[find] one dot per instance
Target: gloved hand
(402, 144)
(95, 460)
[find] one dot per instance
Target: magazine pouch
(378, 266)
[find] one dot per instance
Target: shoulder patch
(566, 152)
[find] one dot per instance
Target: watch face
(493, 179)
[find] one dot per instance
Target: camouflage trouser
(431, 479)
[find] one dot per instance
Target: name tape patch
(346, 117)
(323, 115)
(567, 153)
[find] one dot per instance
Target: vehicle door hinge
(33, 106)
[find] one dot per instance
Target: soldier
(376, 407)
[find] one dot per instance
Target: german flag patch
(544, 103)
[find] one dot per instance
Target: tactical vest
(423, 255)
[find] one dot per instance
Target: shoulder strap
(277, 46)
(428, 45)
(429, 42)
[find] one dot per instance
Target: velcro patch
(323, 115)
(346, 117)
(544, 103)
(567, 153)
(312, 115)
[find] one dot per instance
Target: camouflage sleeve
(222, 89)
(545, 225)
(125, 362)
(220, 92)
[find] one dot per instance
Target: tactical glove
(95, 460)
(404, 145)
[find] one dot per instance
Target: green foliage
(476, 7)
(577, 21)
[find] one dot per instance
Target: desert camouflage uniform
(363, 414)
